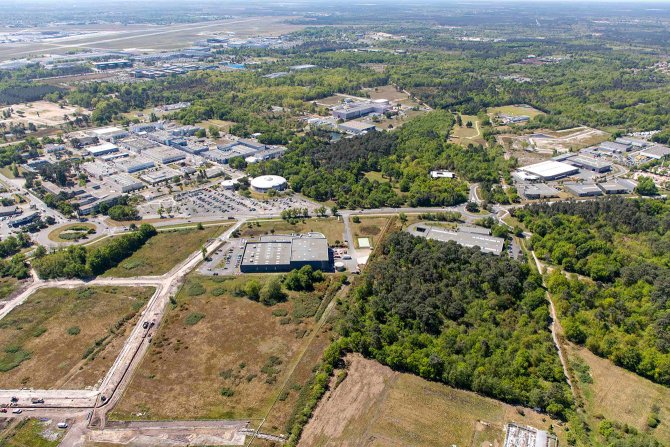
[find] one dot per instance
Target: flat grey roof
(309, 249)
(285, 249)
(583, 188)
(487, 244)
(267, 253)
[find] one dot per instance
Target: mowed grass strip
(218, 354)
(163, 251)
(66, 337)
(331, 227)
(370, 401)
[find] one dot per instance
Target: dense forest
(458, 316)
(404, 157)
(619, 309)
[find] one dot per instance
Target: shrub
(227, 392)
(193, 318)
(195, 289)
(74, 330)
(280, 312)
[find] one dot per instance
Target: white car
(17, 411)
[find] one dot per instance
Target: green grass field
(31, 433)
(331, 227)
(163, 251)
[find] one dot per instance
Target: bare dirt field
(218, 355)
(41, 113)
(514, 110)
(616, 394)
(546, 141)
(66, 338)
(331, 227)
(375, 406)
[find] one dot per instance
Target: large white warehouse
(265, 183)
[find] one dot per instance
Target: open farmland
(163, 251)
(375, 406)
(331, 227)
(221, 355)
(66, 338)
(616, 394)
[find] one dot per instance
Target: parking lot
(208, 202)
(226, 260)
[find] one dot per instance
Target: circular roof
(268, 181)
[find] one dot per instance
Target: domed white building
(265, 183)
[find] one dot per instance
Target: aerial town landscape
(414, 223)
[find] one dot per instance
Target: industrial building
(162, 175)
(583, 189)
(358, 109)
(613, 147)
(102, 149)
(110, 133)
(98, 170)
(356, 127)
(590, 163)
(656, 152)
(464, 236)
(164, 154)
(134, 164)
(266, 183)
(524, 436)
(550, 170)
(283, 253)
(618, 186)
(125, 183)
(110, 65)
(537, 191)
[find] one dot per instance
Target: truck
(37, 400)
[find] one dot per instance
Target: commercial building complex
(283, 253)
(465, 236)
(353, 110)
